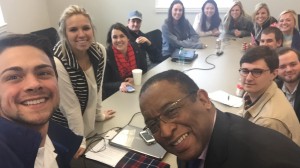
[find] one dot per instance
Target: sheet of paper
(110, 156)
(225, 98)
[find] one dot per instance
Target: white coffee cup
(137, 76)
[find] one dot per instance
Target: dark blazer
(19, 145)
(297, 98)
(296, 40)
(238, 143)
(112, 78)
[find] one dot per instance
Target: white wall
(24, 16)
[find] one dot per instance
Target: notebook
(129, 138)
(187, 55)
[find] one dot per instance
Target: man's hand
(79, 152)
(142, 40)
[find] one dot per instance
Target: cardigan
(77, 79)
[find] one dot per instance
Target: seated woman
(287, 25)
(80, 63)
(261, 19)
(122, 57)
(207, 22)
(177, 32)
(236, 22)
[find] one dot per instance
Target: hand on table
(128, 82)
(237, 33)
(109, 114)
(216, 32)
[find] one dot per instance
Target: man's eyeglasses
(254, 72)
(168, 115)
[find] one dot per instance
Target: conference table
(224, 76)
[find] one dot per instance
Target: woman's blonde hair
(227, 17)
(258, 7)
(294, 14)
(67, 13)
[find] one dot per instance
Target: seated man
(271, 37)
(265, 104)
(150, 42)
(28, 98)
(289, 76)
(184, 121)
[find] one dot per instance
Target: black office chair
(49, 33)
(298, 21)
(155, 36)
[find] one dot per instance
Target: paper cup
(137, 76)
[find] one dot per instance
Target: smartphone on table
(148, 138)
(130, 89)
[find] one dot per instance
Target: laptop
(129, 138)
(186, 55)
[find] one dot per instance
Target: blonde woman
(287, 23)
(236, 22)
(80, 63)
(261, 19)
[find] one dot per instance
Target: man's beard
(293, 80)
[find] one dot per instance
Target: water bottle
(239, 90)
(219, 47)
(181, 56)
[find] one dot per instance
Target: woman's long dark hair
(182, 23)
(215, 19)
(117, 26)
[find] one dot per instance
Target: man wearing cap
(145, 41)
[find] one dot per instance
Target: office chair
(49, 33)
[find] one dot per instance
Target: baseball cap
(135, 15)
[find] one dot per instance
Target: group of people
(178, 32)
(53, 97)
(266, 132)
(59, 98)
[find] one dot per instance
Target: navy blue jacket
(296, 40)
(19, 145)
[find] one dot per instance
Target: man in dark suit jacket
(184, 121)
(289, 76)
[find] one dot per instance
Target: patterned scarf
(125, 65)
